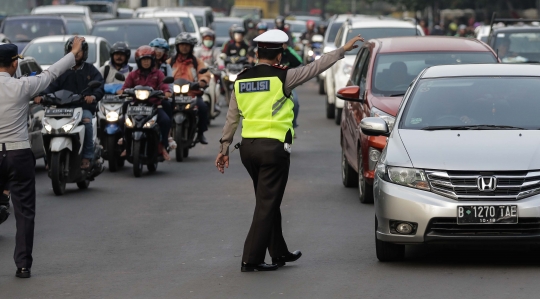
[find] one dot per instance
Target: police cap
(271, 39)
(9, 53)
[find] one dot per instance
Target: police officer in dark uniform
(262, 96)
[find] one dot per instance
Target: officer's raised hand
(351, 44)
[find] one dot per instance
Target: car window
(496, 100)
(103, 53)
(165, 31)
(135, 35)
(515, 47)
(99, 8)
(18, 30)
(77, 27)
(222, 28)
(339, 37)
(370, 33)
(332, 33)
(363, 74)
(209, 18)
(188, 24)
(24, 68)
(355, 78)
(297, 27)
(48, 53)
(173, 27)
(393, 72)
(200, 21)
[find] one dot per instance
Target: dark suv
(20, 30)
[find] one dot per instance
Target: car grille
(449, 227)
(463, 186)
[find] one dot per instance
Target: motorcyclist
(120, 54)
(186, 66)
(262, 27)
(208, 53)
(251, 31)
(237, 46)
(280, 24)
(76, 80)
(148, 75)
(307, 35)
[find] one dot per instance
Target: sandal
(172, 143)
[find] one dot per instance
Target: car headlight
(347, 69)
(176, 88)
(232, 77)
(151, 122)
(112, 116)
(389, 119)
(185, 88)
(129, 124)
(142, 94)
(410, 177)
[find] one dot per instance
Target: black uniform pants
(268, 165)
(17, 170)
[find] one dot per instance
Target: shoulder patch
(244, 70)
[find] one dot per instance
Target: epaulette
(281, 67)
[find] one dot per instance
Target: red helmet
(145, 51)
(310, 24)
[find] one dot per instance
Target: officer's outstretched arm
(231, 124)
(298, 76)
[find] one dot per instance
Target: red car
(383, 71)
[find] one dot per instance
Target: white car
(67, 11)
(369, 27)
(48, 50)
(187, 18)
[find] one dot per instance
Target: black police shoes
(257, 267)
(202, 139)
(291, 257)
(23, 273)
(4, 214)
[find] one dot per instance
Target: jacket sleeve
(129, 81)
(96, 76)
(38, 84)
(206, 76)
(162, 86)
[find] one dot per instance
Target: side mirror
(202, 71)
(94, 84)
(119, 77)
(222, 56)
(171, 41)
(168, 80)
(374, 126)
(350, 93)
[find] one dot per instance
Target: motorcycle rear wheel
(58, 179)
(178, 134)
(111, 154)
(83, 185)
(137, 165)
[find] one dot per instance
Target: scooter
(110, 119)
(63, 137)
(36, 113)
(210, 96)
(185, 117)
(233, 66)
(142, 132)
(313, 49)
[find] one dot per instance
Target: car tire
(330, 110)
(388, 252)
(337, 118)
(321, 87)
(349, 177)
(365, 190)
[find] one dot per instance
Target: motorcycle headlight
(410, 177)
(176, 88)
(389, 119)
(112, 116)
(142, 94)
(185, 88)
(46, 125)
(310, 53)
(67, 127)
(151, 122)
(232, 77)
(129, 124)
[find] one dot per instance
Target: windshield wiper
(473, 127)
(397, 95)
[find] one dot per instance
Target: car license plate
(488, 214)
(182, 99)
(59, 112)
(139, 110)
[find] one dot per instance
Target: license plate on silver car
(487, 214)
(59, 112)
(139, 110)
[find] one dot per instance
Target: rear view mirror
(172, 41)
(349, 93)
(223, 56)
(168, 80)
(374, 126)
(94, 84)
(119, 77)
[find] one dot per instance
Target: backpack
(108, 68)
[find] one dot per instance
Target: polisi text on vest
(255, 86)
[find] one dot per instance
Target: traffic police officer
(16, 159)
(262, 96)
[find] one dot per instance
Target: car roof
(60, 8)
(482, 70)
(63, 38)
(127, 21)
(299, 22)
(192, 8)
(380, 23)
(229, 19)
(430, 43)
(166, 13)
(33, 17)
(516, 29)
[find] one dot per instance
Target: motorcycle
(63, 137)
(233, 66)
(110, 118)
(36, 113)
(314, 51)
(185, 116)
(210, 96)
(142, 132)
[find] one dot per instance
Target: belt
(12, 146)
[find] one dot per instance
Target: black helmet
(185, 38)
(121, 47)
(280, 22)
(239, 29)
(69, 45)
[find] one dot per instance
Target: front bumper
(436, 218)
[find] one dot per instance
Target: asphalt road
(179, 233)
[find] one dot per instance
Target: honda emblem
(487, 183)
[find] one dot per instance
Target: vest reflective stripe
(267, 112)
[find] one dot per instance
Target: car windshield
(188, 24)
(333, 31)
(222, 28)
(173, 27)
(369, 33)
(394, 72)
(200, 21)
(475, 102)
(134, 35)
(99, 8)
(26, 30)
(518, 47)
(297, 27)
(76, 27)
(47, 53)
